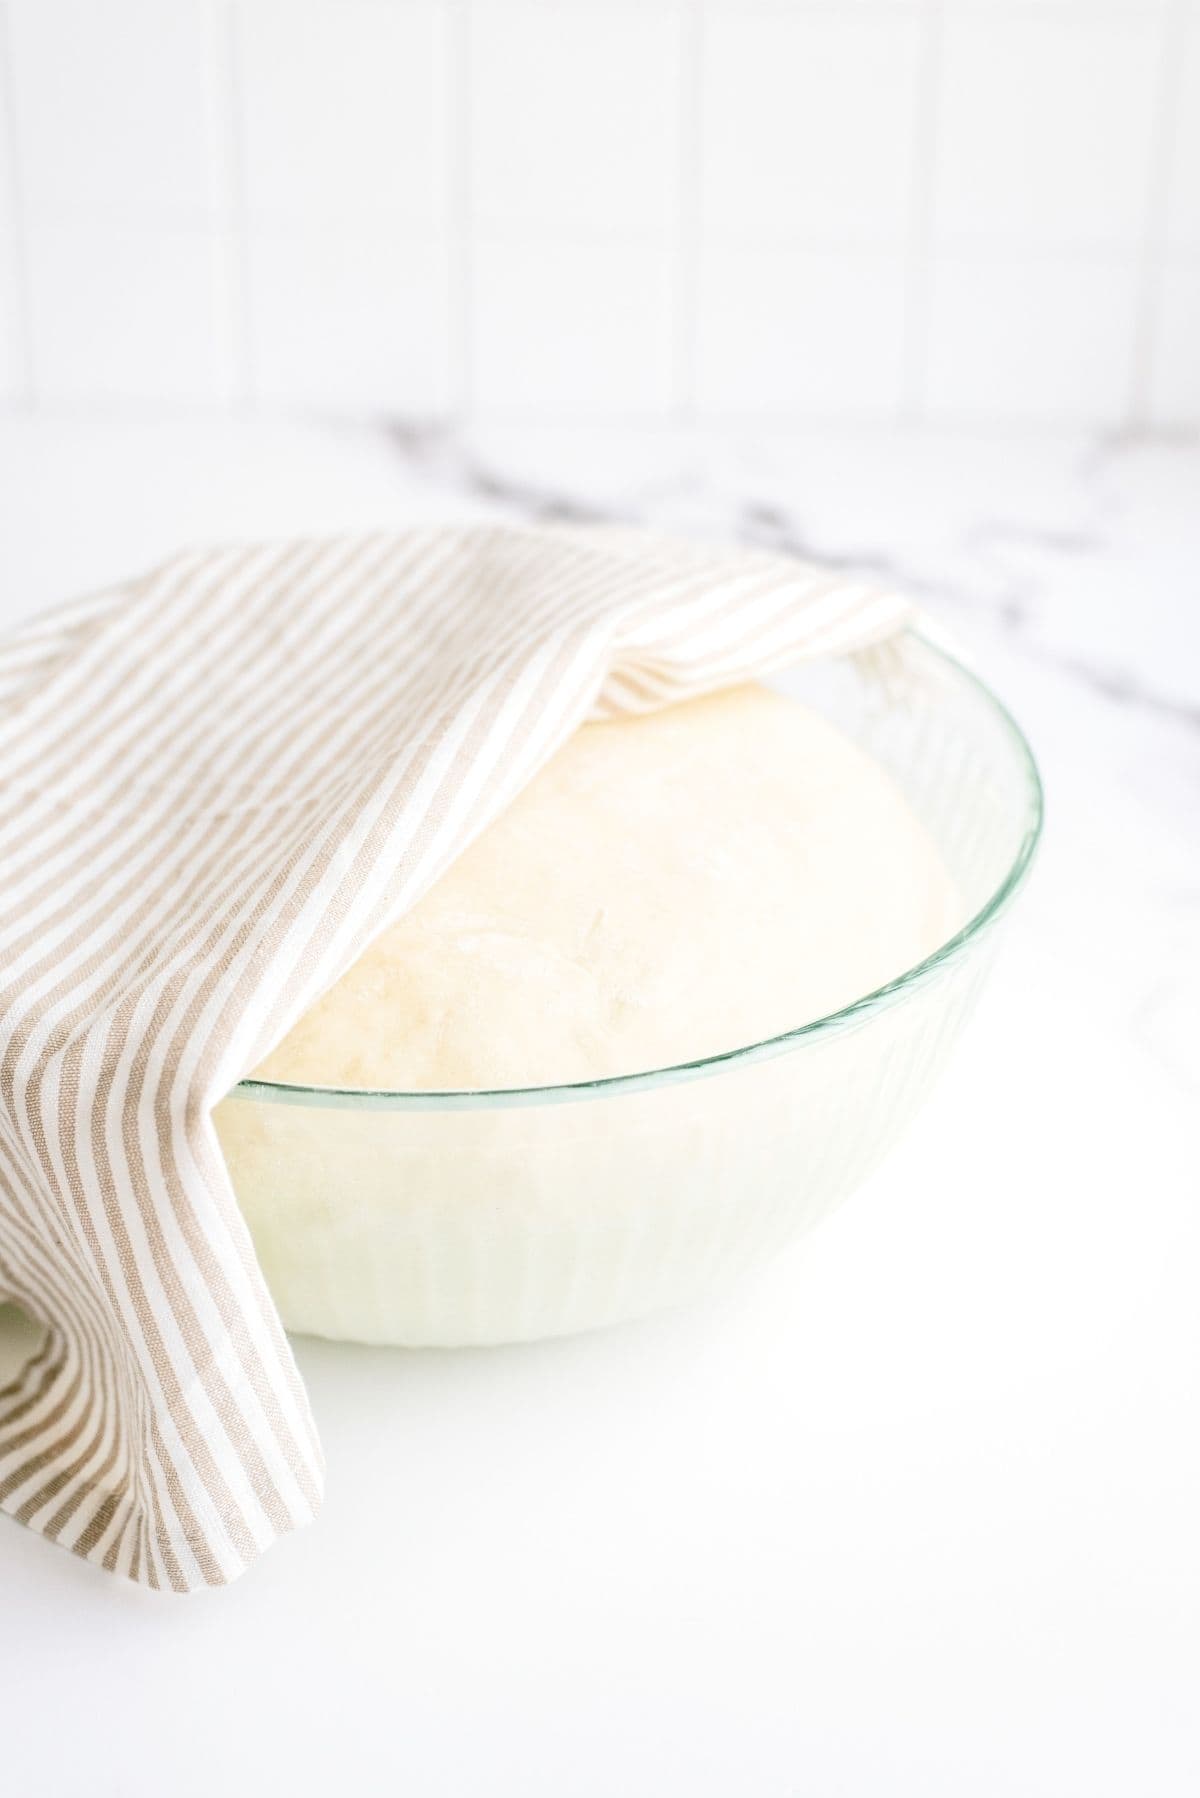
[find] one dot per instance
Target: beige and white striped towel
(217, 784)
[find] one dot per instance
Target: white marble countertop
(914, 1509)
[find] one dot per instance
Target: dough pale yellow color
(666, 888)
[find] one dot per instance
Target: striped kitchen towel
(217, 785)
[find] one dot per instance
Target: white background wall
(668, 210)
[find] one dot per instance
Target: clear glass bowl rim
(612, 1085)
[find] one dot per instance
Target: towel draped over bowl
(218, 784)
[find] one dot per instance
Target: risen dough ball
(666, 888)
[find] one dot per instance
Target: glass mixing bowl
(483, 1217)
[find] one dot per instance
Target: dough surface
(667, 887)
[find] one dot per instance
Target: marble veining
(440, 453)
(938, 1469)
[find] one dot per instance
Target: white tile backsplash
(115, 109)
(1045, 128)
(350, 321)
(343, 112)
(1175, 363)
(795, 332)
(597, 208)
(119, 313)
(572, 329)
(808, 126)
(1037, 339)
(13, 371)
(1183, 178)
(573, 119)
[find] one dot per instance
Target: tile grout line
(686, 256)
(20, 296)
(919, 270)
(1152, 253)
(231, 176)
(456, 94)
